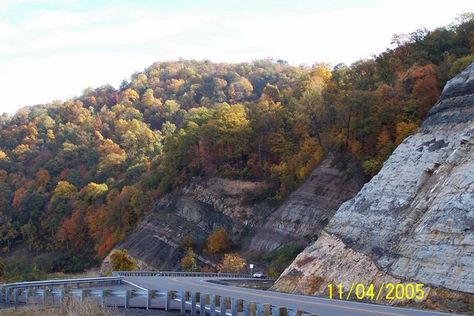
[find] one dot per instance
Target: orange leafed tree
(73, 231)
(105, 246)
(18, 197)
(218, 241)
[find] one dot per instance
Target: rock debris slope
(414, 221)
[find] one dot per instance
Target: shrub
(280, 258)
(371, 166)
(188, 241)
(460, 64)
(121, 261)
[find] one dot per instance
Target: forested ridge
(76, 176)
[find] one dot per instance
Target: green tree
(8, 233)
(459, 65)
(311, 107)
(61, 203)
(2, 269)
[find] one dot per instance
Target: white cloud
(59, 53)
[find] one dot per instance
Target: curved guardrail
(111, 279)
(179, 274)
(131, 295)
(11, 291)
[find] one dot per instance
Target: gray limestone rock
(415, 219)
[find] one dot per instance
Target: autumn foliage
(232, 263)
(218, 241)
(121, 261)
(77, 176)
(188, 262)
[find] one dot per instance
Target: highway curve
(317, 305)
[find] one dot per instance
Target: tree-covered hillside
(76, 176)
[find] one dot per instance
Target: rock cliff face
(414, 221)
(302, 216)
(196, 210)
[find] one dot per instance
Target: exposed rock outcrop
(302, 216)
(197, 209)
(414, 220)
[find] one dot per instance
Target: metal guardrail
(111, 279)
(55, 291)
(11, 290)
(179, 274)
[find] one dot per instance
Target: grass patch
(280, 258)
(70, 307)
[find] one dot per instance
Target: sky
(54, 49)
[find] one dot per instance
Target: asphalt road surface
(317, 305)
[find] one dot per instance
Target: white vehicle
(259, 275)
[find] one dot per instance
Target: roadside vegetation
(70, 307)
(76, 176)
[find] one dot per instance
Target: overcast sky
(53, 49)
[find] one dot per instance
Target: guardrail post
(43, 296)
(102, 297)
(127, 298)
(148, 299)
(193, 304)
(259, 309)
(274, 310)
(167, 301)
(183, 302)
(233, 306)
(212, 305)
(222, 307)
(202, 304)
(61, 295)
(245, 307)
(27, 294)
(15, 296)
(81, 296)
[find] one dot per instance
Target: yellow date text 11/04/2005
(384, 291)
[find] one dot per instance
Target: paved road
(321, 306)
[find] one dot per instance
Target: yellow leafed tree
(121, 261)
(232, 263)
(188, 262)
(404, 129)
